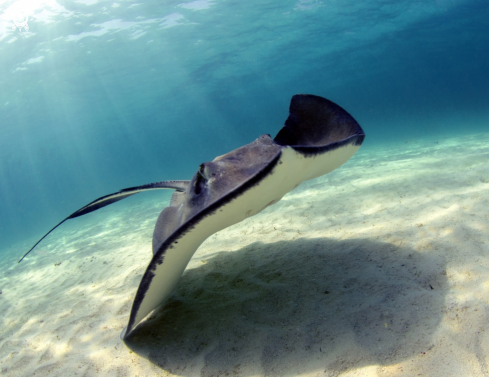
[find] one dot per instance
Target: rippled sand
(380, 268)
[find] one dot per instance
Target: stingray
(318, 137)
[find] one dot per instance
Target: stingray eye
(199, 180)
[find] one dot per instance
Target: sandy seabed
(380, 268)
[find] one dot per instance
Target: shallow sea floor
(380, 268)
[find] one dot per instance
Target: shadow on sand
(308, 305)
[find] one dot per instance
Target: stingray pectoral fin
(112, 198)
(316, 125)
(164, 272)
(166, 224)
(322, 133)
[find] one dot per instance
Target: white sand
(380, 268)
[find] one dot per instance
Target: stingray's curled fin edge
(112, 198)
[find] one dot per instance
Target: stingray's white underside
(291, 170)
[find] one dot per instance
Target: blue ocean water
(101, 95)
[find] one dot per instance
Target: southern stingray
(318, 137)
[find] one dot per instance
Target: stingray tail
(112, 198)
